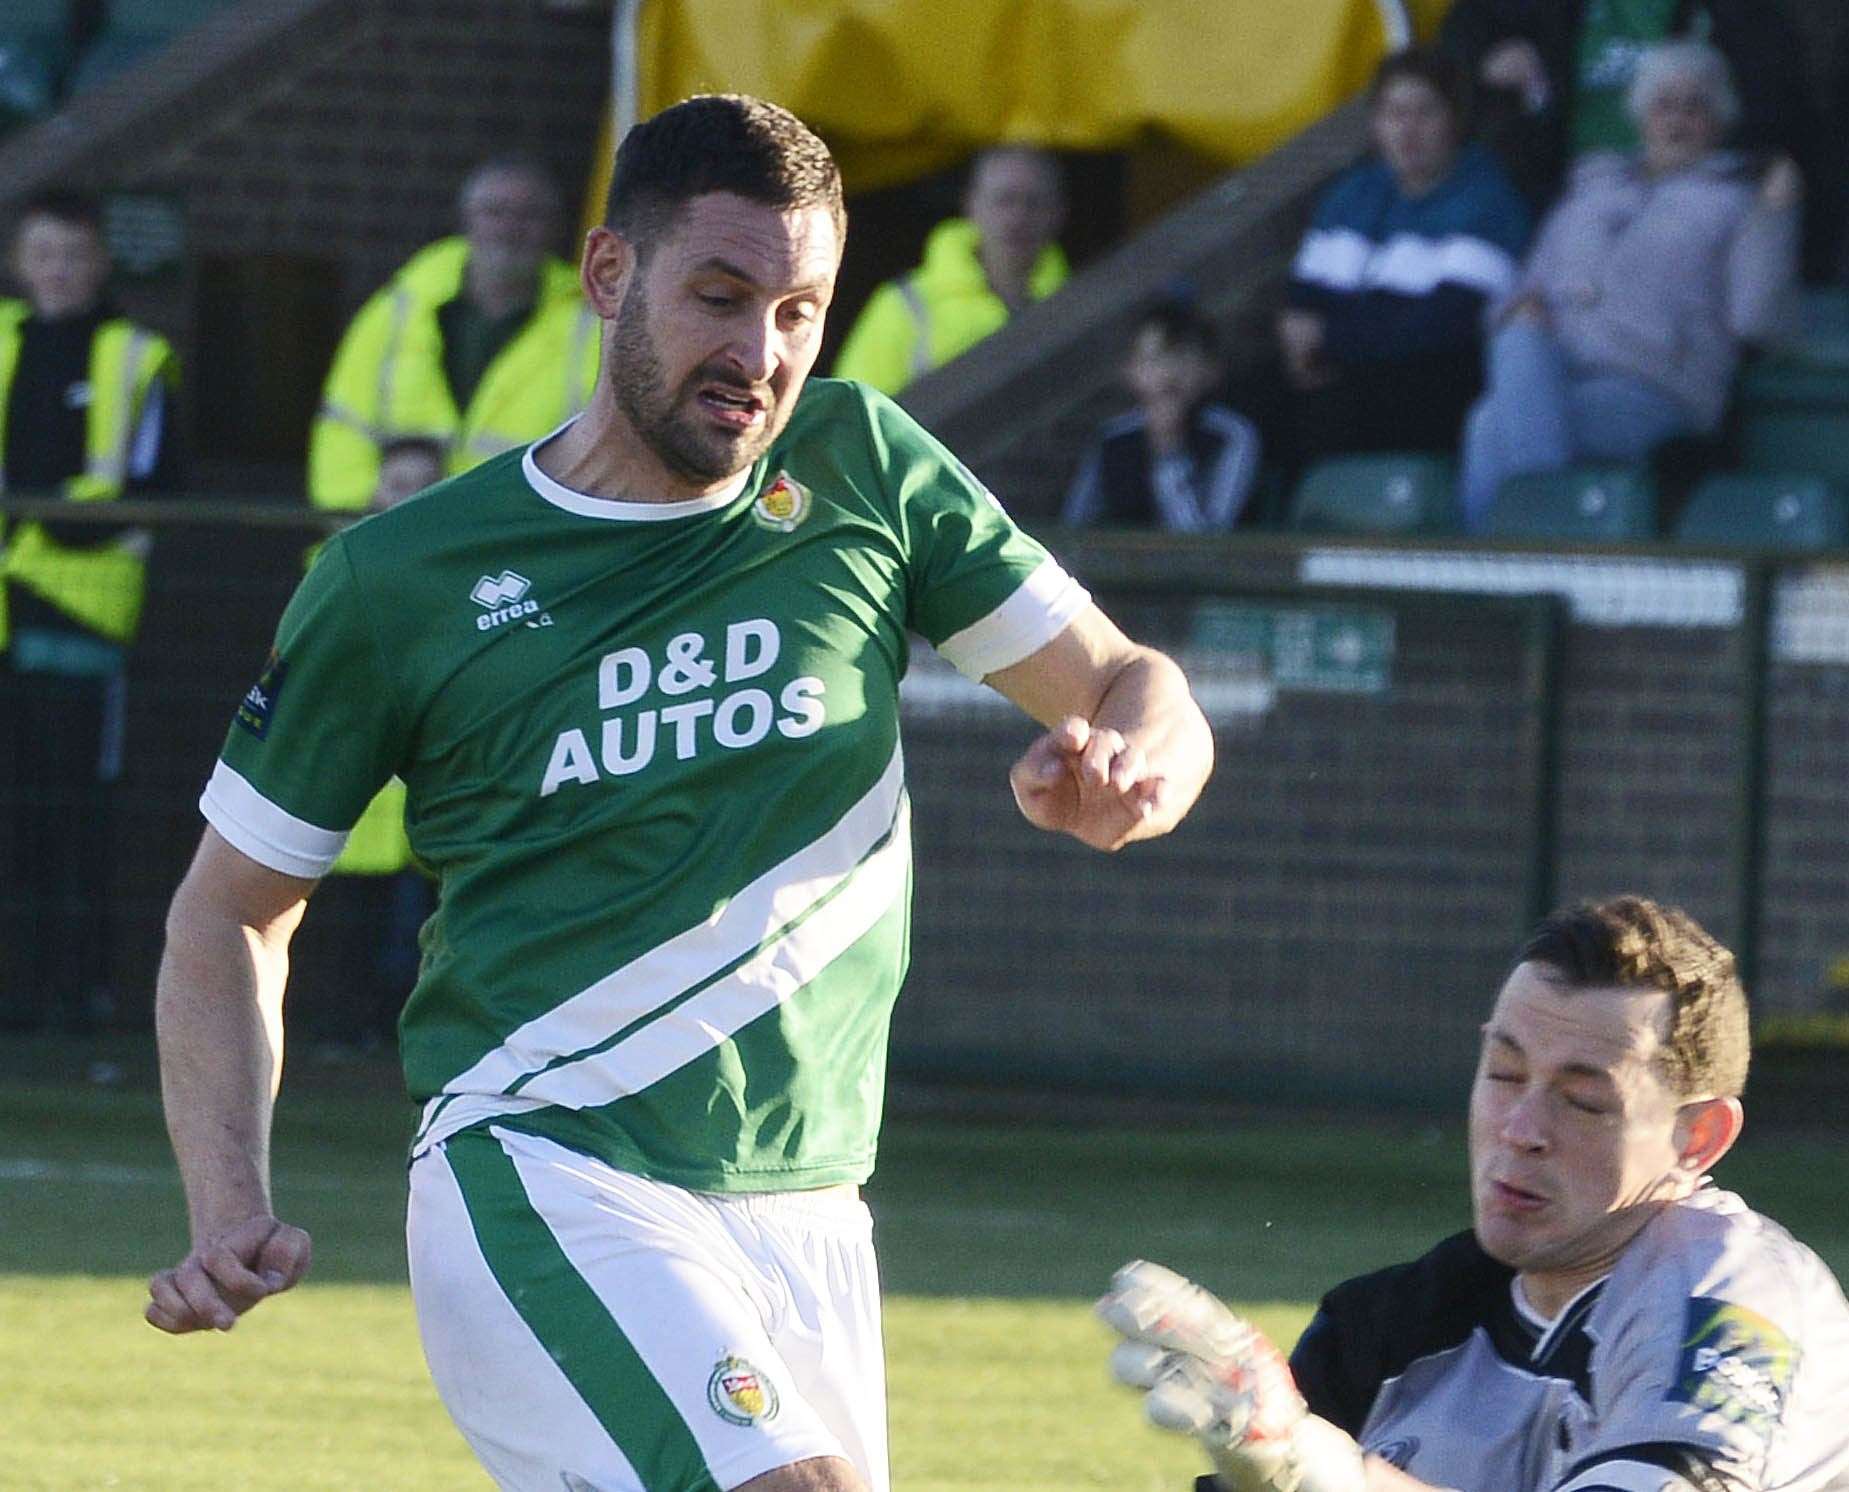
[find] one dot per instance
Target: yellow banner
(902, 87)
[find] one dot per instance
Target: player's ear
(609, 260)
(1705, 1131)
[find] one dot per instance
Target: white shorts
(597, 1331)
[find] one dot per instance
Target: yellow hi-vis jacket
(98, 587)
(387, 382)
(944, 307)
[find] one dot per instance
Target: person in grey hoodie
(1626, 324)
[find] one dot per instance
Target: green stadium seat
(134, 30)
(1765, 511)
(1796, 440)
(1812, 371)
(1387, 493)
(1791, 382)
(1826, 325)
(1587, 504)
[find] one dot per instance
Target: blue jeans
(1542, 413)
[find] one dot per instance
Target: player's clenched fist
(223, 1278)
(1213, 1375)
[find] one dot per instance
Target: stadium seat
(1588, 504)
(1812, 370)
(1377, 494)
(34, 55)
(134, 29)
(1766, 511)
(1788, 439)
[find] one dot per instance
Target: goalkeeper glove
(1215, 1376)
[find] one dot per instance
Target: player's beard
(666, 418)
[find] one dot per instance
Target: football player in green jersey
(641, 683)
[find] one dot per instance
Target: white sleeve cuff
(253, 825)
(1039, 610)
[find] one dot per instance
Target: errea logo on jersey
(503, 598)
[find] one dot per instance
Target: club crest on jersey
(739, 1394)
(502, 598)
(782, 505)
(1735, 1364)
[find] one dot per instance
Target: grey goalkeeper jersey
(1715, 1357)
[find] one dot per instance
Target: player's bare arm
(1127, 750)
(218, 1018)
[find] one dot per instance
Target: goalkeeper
(1612, 1323)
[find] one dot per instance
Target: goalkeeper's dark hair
(719, 142)
(1629, 942)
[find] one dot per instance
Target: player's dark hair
(71, 209)
(1631, 942)
(1181, 326)
(1434, 67)
(719, 142)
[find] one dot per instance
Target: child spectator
(1178, 460)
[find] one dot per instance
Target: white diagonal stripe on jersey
(757, 913)
(786, 961)
(1037, 612)
(774, 974)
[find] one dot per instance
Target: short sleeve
(980, 591)
(1703, 1381)
(315, 736)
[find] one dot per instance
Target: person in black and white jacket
(1179, 460)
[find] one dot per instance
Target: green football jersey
(651, 753)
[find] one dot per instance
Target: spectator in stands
(1178, 460)
(1557, 75)
(86, 397)
(978, 271)
(1626, 325)
(1382, 331)
(481, 342)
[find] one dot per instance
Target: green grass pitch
(993, 1241)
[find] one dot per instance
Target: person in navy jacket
(1382, 331)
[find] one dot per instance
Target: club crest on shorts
(739, 1394)
(782, 505)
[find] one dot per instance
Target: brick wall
(311, 146)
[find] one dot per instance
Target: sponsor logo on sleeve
(739, 1394)
(258, 706)
(1735, 1364)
